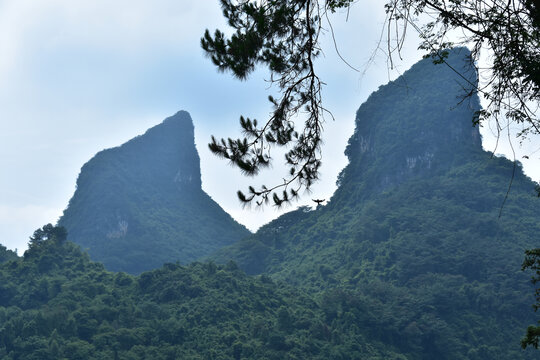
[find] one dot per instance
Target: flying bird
(319, 201)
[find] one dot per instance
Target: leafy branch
(283, 35)
(507, 31)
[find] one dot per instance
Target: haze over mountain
(140, 205)
(412, 258)
(411, 245)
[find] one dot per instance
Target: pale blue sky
(78, 76)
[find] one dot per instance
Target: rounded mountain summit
(141, 204)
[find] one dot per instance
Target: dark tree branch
(282, 35)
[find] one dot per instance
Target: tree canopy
(57, 304)
(532, 262)
(283, 36)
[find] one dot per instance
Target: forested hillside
(415, 243)
(414, 257)
(57, 304)
(140, 205)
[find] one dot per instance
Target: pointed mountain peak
(180, 122)
(420, 122)
(180, 119)
(165, 155)
(141, 204)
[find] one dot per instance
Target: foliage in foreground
(57, 304)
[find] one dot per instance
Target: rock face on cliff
(139, 205)
(419, 124)
(413, 247)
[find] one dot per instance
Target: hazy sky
(78, 76)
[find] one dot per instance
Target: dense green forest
(140, 205)
(6, 254)
(414, 257)
(57, 304)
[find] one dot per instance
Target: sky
(77, 77)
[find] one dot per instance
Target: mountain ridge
(413, 233)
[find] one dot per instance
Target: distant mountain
(411, 246)
(140, 205)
